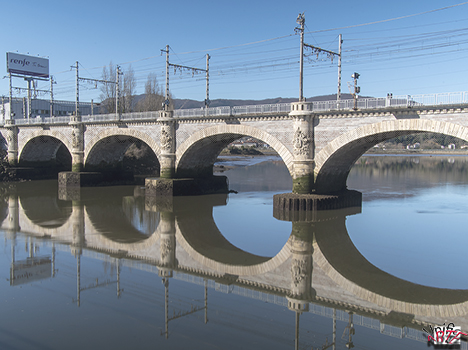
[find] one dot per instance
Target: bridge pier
(78, 228)
(303, 147)
(168, 137)
(12, 140)
(167, 244)
(77, 144)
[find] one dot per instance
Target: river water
(108, 268)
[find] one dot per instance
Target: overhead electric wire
(387, 20)
(242, 59)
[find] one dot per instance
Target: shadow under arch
(335, 253)
(197, 233)
(41, 205)
(334, 162)
(197, 155)
(46, 151)
(3, 209)
(107, 152)
(115, 215)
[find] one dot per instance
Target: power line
(388, 20)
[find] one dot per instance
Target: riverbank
(441, 152)
(228, 162)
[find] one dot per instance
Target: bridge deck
(342, 106)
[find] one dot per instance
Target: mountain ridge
(188, 103)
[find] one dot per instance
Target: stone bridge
(318, 145)
(318, 263)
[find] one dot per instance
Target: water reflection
(318, 271)
(404, 175)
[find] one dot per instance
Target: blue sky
(254, 52)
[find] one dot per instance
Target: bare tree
(108, 89)
(128, 91)
(154, 99)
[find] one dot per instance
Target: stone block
(69, 193)
(75, 179)
(157, 186)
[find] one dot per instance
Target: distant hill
(186, 103)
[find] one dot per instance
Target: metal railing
(404, 101)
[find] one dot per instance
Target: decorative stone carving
(167, 140)
(298, 271)
(301, 143)
(76, 139)
(167, 248)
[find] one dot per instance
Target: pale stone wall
(339, 137)
(61, 133)
(146, 132)
(277, 134)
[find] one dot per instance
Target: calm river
(108, 268)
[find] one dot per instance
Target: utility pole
(52, 82)
(117, 92)
(338, 94)
(192, 69)
(77, 99)
(95, 81)
(315, 50)
(11, 99)
(207, 100)
(28, 79)
(301, 21)
(166, 99)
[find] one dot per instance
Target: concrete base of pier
(95, 178)
(303, 207)
(157, 186)
(79, 179)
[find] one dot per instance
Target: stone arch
(336, 255)
(134, 250)
(51, 133)
(199, 236)
(113, 143)
(3, 140)
(40, 208)
(334, 161)
(269, 264)
(47, 147)
(198, 153)
(108, 217)
(50, 213)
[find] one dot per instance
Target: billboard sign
(27, 65)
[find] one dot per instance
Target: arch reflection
(318, 267)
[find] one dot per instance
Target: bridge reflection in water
(318, 270)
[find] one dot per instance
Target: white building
(41, 108)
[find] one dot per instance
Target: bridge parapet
(375, 103)
(303, 147)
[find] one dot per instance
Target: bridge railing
(262, 109)
(450, 98)
(202, 112)
(236, 110)
(42, 120)
(123, 116)
(440, 99)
